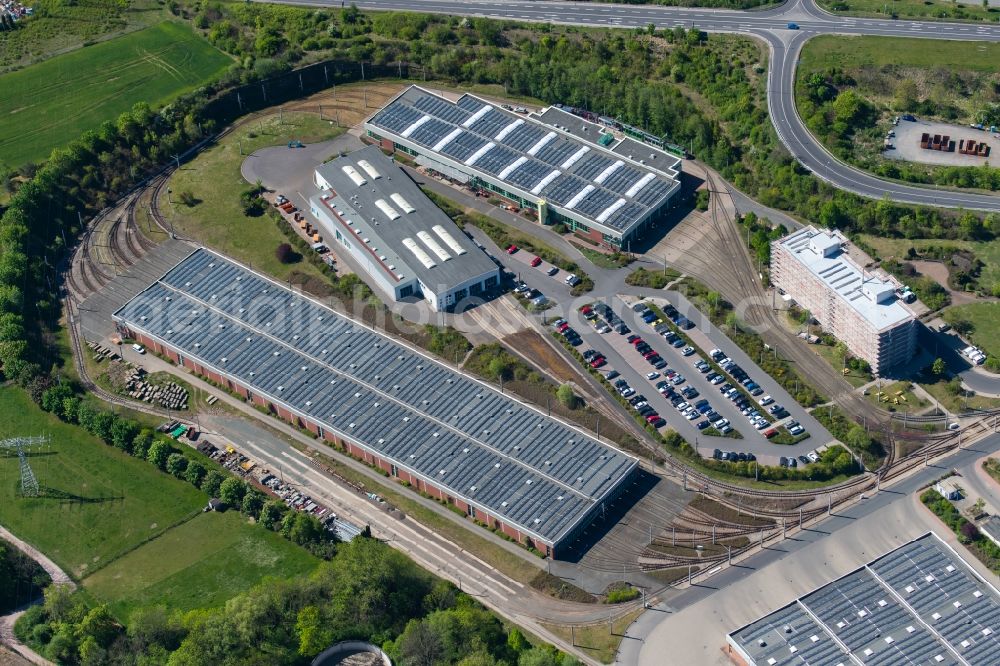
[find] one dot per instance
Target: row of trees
(128, 436)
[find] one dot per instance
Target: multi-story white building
(861, 307)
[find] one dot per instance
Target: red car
(512, 249)
(770, 432)
(637, 342)
(536, 262)
(652, 417)
(563, 326)
(598, 362)
(648, 355)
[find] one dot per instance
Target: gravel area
(907, 144)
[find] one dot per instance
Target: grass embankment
(658, 279)
(897, 397)
(599, 641)
(849, 88)
(932, 10)
(986, 253)
(53, 102)
(955, 399)
(133, 535)
(59, 27)
(829, 353)
(96, 502)
(983, 321)
(199, 564)
(214, 180)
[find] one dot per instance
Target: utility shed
(504, 463)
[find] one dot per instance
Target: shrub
(285, 254)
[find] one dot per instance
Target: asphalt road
(770, 25)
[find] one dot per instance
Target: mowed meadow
(51, 103)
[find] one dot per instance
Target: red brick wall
(388, 145)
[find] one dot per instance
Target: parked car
(652, 375)
(536, 262)
(512, 249)
(766, 400)
(139, 349)
(687, 351)
(611, 375)
(572, 280)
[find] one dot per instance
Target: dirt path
(938, 272)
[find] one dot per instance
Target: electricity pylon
(29, 483)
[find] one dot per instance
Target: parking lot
(907, 144)
(678, 374)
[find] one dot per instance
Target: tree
(212, 481)
(314, 634)
(158, 453)
(252, 504)
(969, 531)
(498, 368)
(857, 438)
(271, 512)
(195, 473)
(566, 396)
(141, 443)
(938, 367)
(301, 528)
(537, 656)
(177, 465)
(713, 298)
(419, 645)
(123, 432)
(232, 491)
(285, 254)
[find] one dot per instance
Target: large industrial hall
(918, 604)
(405, 244)
(568, 169)
(539, 480)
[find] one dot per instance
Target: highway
(771, 26)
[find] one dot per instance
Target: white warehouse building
(406, 246)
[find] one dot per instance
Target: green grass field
(51, 103)
(922, 9)
(827, 51)
(60, 27)
(100, 501)
(201, 563)
(985, 318)
(214, 178)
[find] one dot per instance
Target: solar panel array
(790, 636)
(527, 469)
(919, 605)
(944, 594)
(516, 137)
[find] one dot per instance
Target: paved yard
(908, 148)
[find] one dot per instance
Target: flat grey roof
(842, 275)
(525, 152)
(919, 604)
(373, 215)
(532, 471)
